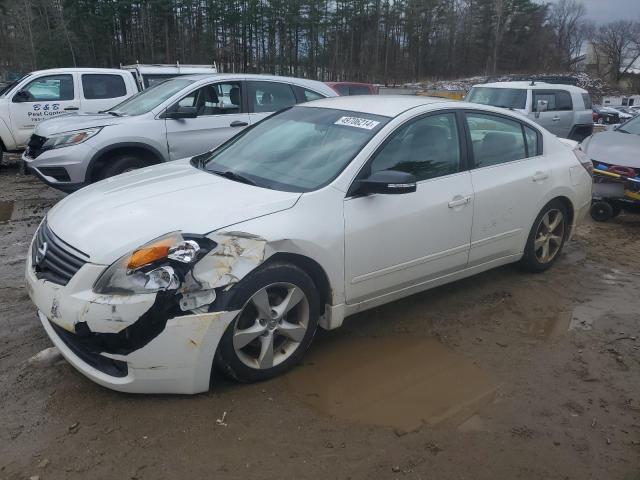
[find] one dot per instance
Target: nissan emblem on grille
(41, 252)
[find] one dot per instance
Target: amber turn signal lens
(150, 253)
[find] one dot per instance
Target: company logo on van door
(42, 111)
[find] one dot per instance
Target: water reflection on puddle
(401, 382)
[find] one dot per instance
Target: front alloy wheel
(279, 308)
(271, 325)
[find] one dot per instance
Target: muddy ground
(501, 376)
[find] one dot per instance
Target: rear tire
(546, 238)
(275, 326)
(121, 164)
(602, 211)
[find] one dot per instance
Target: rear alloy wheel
(274, 327)
(546, 238)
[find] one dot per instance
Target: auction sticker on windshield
(357, 122)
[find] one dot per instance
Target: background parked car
(564, 110)
(625, 113)
(353, 88)
(43, 94)
(178, 118)
(605, 115)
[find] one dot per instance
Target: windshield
(150, 98)
(631, 126)
(5, 88)
(498, 97)
(299, 150)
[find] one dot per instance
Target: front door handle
(458, 201)
(238, 123)
(556, 119)
(540, 176)
(72, 108)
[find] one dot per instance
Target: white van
(148, 75)
(44, 94)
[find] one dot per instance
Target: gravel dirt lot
(501, 376)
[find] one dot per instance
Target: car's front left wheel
(275, 326)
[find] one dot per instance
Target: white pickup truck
(44, 94)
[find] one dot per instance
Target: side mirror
(181, 112)
(541, 106)
(21, 96)
(386, 182)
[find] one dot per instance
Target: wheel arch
(311, 268)
(568, 204)
(97, 162)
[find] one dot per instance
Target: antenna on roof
(533, 82)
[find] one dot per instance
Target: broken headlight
(159, 265)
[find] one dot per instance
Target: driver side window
(215, 99)
(427, 148)
(51, 88)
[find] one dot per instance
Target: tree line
(385, 41)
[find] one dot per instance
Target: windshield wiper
(111, 112)
(621, 130)
(233, 176)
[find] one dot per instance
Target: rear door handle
(458, 201)
(539, 176)
(238, 123)
(556, 119)
(72, 108)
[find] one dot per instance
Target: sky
(602, 11)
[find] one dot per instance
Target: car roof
(386, 105)
(536, 86)
(54, 71)
(314, 85)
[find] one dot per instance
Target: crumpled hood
(75, 121)
(110, 218)
(614, 148)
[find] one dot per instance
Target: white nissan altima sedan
(229, 261)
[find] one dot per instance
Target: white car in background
(233, 258)
(177, 118)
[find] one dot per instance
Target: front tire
(547, 237)
(275, 326)
(122, 164)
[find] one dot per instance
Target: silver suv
(564, 110)
(179, 118)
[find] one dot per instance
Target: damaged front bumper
(130, 343)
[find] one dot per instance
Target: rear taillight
(594, 116)
(583, 159)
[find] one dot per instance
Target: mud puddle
(617, 298)
(23, 209)
(6, 210)
(400, 382)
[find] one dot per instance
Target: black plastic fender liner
(135, 336)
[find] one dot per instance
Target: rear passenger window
(427, 148)
(531, 137)
(100, 86)
(495, 139)
(557, 100)
(310, 95)
(270, 96)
